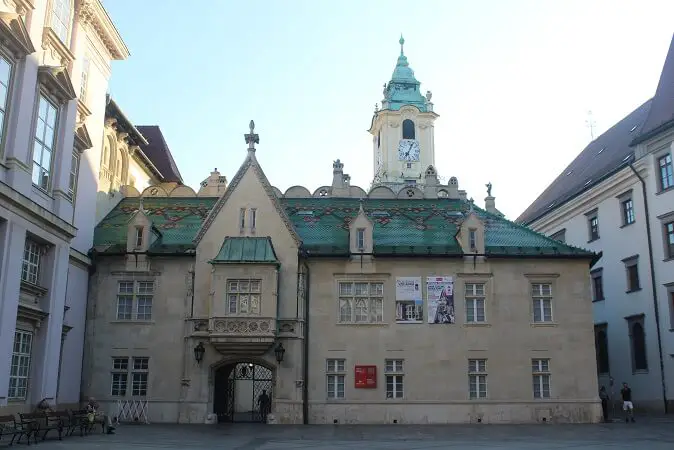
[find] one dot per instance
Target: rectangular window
(475, 297)
(477, 378)
(60, 19)
(120, 376)
(139, 237)
(670, 296)
(30, 267)
(243, 296)
(335, 376)
(669, 240)
(84, 80)
(242, 218)
(559, 236)
(139, 377)
(541, 377)
(394, 378)
(139, 293)
(597, 285)
(20, 366)
(666, 172)
(44, 142)
(472, 237)
(360, 238)
(6, 70)
(593, 224)
(74, 174)
(632, 269)
(628, 211)
(253, 218)
(361, 302)
(542, 302)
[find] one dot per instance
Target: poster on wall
(440, 293)
(408, 289)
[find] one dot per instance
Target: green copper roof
(401, 227)
(246, 250)
(404, 88)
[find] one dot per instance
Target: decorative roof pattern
(246, 250)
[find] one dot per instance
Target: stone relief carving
(243, 326)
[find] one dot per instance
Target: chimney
(453, 188)
(340, 181)
(431, 183)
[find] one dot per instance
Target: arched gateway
(238, 392)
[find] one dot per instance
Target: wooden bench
(55, 420)
(8, 427)
(78, 419)
(29, 424)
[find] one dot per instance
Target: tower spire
(402, 43)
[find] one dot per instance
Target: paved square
(655, 434)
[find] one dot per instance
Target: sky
(512, 81)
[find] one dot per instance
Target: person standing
(628, 406)
(264, 404)
(603, 395)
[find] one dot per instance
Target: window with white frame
(472, 238)
(139, 237)
(360, 238)
(20, 368)
(253, 219)
(541, 377)
(30, 267)
(74, 172)
(242, 218)
(477, 378)
(361, 302)
(84, 80)
(60, 19)
(139, 376)
(44, 142)
(243, 296)
(6, 70)
(666, 172)
(542, 302)
(394, 372)
(335, 373)
(134, 300)
(475, 299)
(627, 207)
(119, 376)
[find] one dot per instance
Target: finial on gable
(140, 205)
(252, 138)
(471, 202)
(361, 201)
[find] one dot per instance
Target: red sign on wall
(366, 377)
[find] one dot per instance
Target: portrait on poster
(440, 294)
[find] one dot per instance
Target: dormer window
(242, 218)
(408, 129)
(139, 237)
(360, 238)
(472, 238)
(253, 218)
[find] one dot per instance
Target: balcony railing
(242, 335)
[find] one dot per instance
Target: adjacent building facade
(617, 198)
(405, 303)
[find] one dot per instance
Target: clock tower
(402, 130)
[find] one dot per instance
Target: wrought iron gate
(245, 385)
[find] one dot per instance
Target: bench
(78, 419)
(8, 427)
(29, 424)
(55, 420)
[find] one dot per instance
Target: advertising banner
(408, 289)
(440, 293)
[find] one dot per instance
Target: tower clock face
(408, 150)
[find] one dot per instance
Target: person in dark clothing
(603, 395)
(264, 403)
(628, 406)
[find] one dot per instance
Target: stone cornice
(82, 138)
(20, 6)
(59, 52)
(92, 14)
(57, 82)
(14, 36)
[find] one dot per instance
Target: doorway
(237, 389)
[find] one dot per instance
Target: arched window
(106, 156)
(639, 347)
(60, 19)
(408, 129)
(601, 345)
(118, 165)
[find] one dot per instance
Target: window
(360, 238)
(60, 19)
(243, 296)
(335, 375)
(84, 80)
(593, 224)
(666, 173)
(139, 377)
(120, 376)
(44, 143)
(541, 377)
(597, 285)
(670, 296)
(74, 172)
(30, 268)
(601, 348)
(242, 218)
(475, 296)
(139, 237)
(542, 299)
(559, 236)
(472, 238)
(394, 378)
(361, 302)
(408, 129)
(632, 270)
(139, 293)
(638, 343)
(253, 218)
(669, 240)
(20, 368)
(627, 211)
(5, 82)
(477, 378)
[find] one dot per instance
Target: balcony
(250, 336)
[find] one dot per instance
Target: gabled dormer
(470, 234)
(360, 233)
(140, 235)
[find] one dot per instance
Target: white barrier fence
(132, 411)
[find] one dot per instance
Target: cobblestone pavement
(656, 434)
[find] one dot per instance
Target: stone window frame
(670, 301)
(602, 357)
(42, 94)
(635, 353)
(597, 276)
(7, 107)
(119, 376)
(627, 212)
(406, 130)
(360, 239)
(84, 78)
(32, 261)
(235, 304)
(252, 219)
(21, 356)
(478, 387)
(376, 299)
(665, 179)
(335, 376)
(242, 220)
(592, 229)
(632, 269)
(140, 376)
(540, 371)
(559, 234)
(394, 378)
(67, 27)
(472, 297)
(667, 221)
(73, 177)
(136, 298)
(472, 239)
(542, 279)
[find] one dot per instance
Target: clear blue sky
(512, 81)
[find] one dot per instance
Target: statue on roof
(488, 189)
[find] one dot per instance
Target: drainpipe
(656, 309)
(305, 385)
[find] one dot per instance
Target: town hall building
(405, 303)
